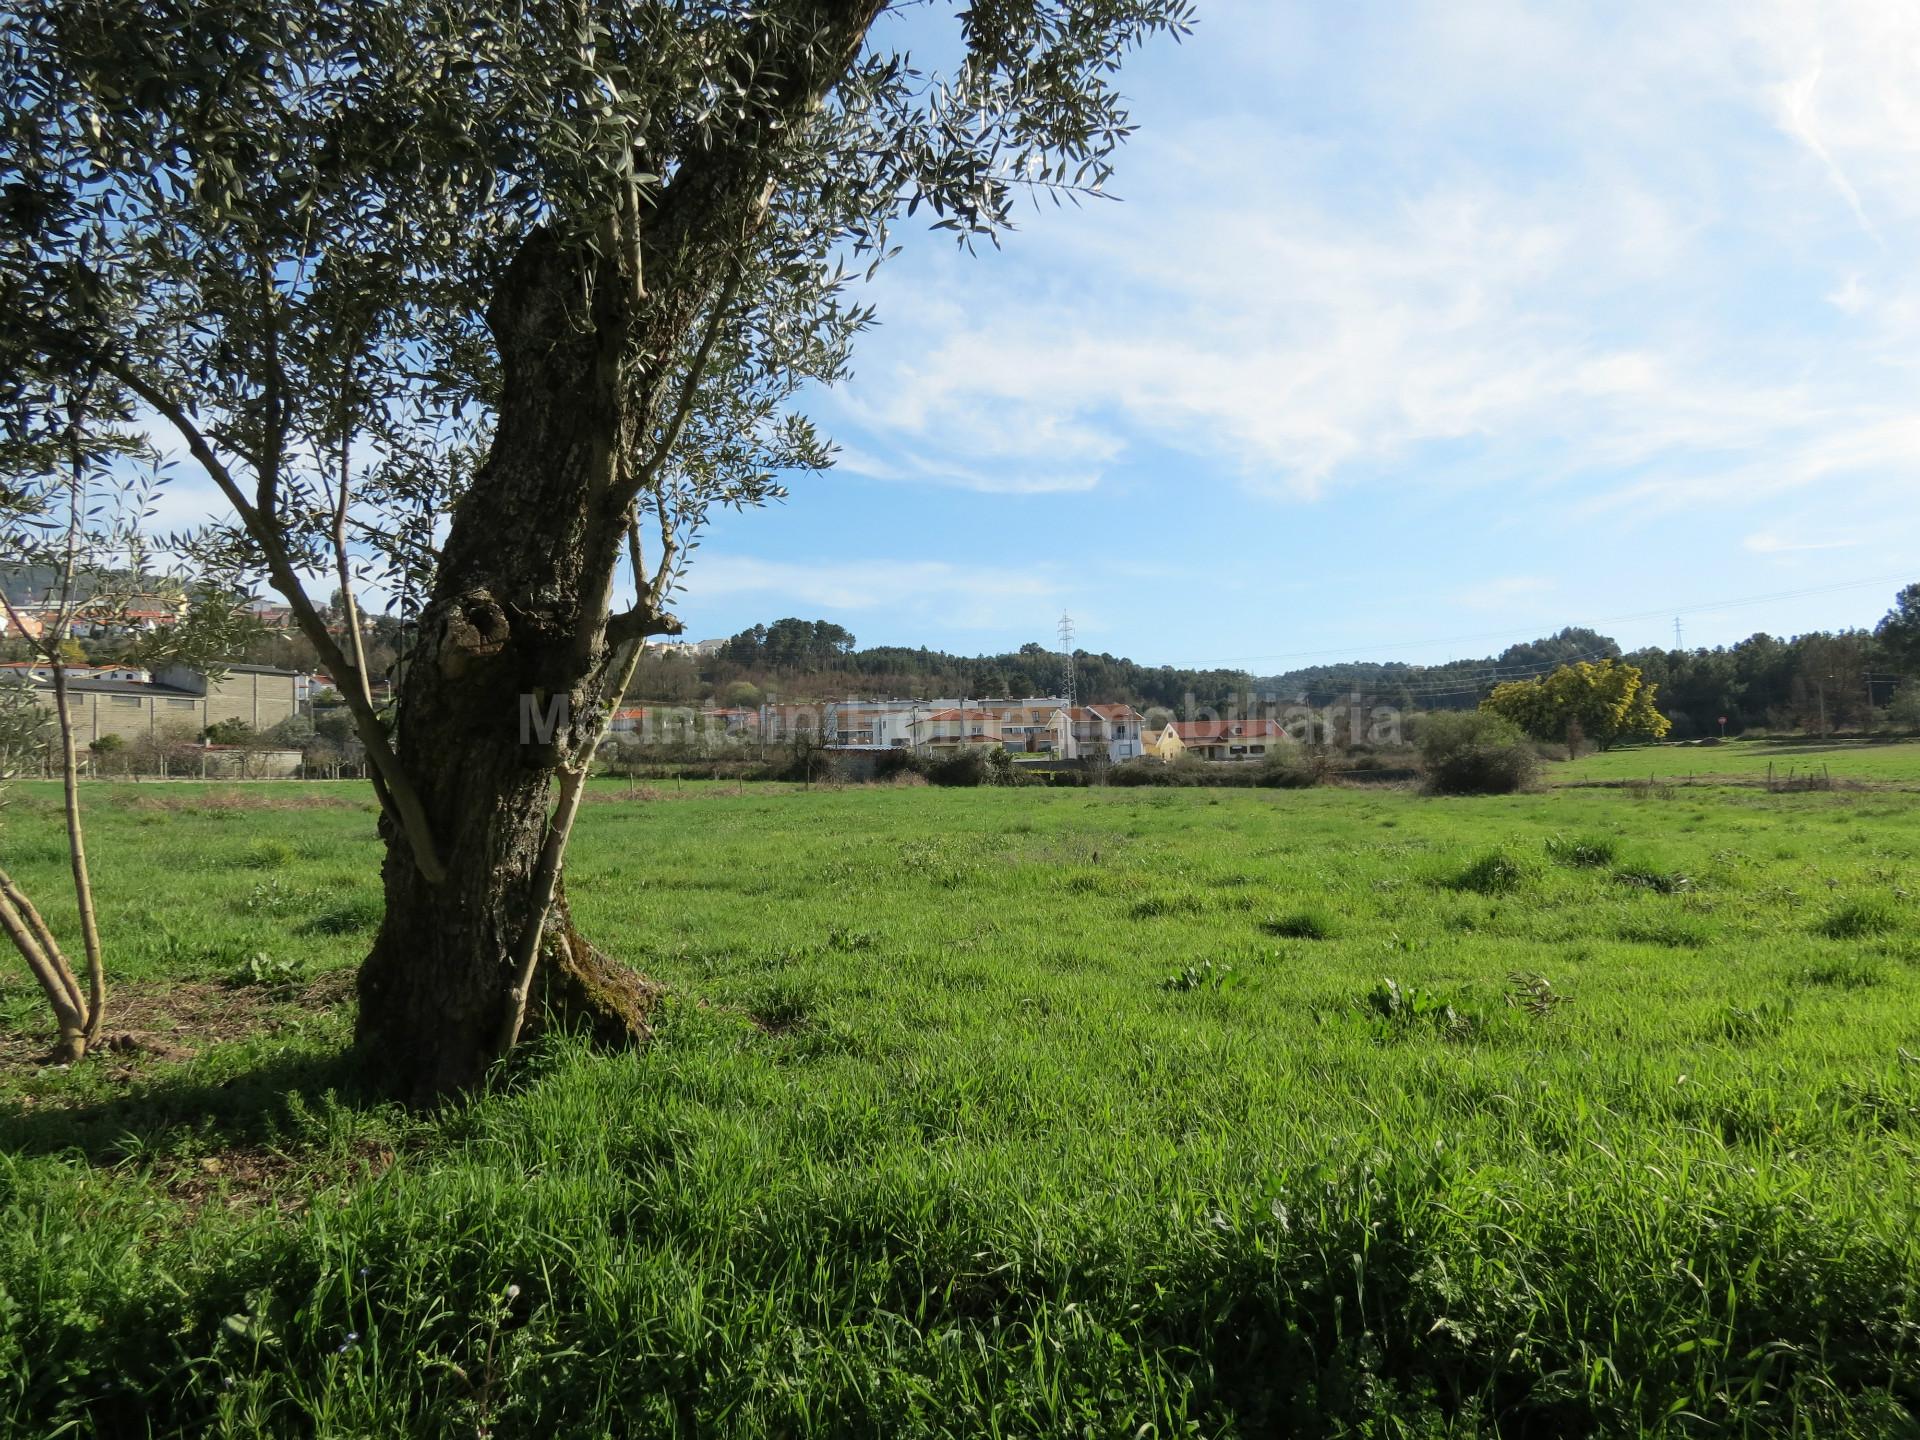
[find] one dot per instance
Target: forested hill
(1840, 679)
(814, 659)
(1456, 684)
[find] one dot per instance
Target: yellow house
(1220, 740)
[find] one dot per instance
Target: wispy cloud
(1570, 300)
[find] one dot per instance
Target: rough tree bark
(519, 612)
(516, 621)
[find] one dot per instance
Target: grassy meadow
(1008, 1112)
(1884, 762)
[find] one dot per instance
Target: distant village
(1037, 728)
(263, 719)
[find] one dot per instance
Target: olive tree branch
(406, 810)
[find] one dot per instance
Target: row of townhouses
(1038, 726)
(1041, 727)
(1051, 726)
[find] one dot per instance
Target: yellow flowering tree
(1603, 701)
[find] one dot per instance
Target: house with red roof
(1224, 740)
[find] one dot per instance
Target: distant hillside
(815, 660)
(1455, 685)
(1821, 681)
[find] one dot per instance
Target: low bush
(963, 768)
(1281, 772)
(1157, 773)
(1293, 771)
(1473, 753)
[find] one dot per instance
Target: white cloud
(1558, 238)
(909, 467)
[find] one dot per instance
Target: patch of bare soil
(173, 1020)
(256, 1177)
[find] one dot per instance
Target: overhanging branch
(407, 811)
(640, 623)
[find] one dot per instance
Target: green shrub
(1398, 1010)
(1652, 877)
(1142, 772)
(1204, 976)
(1292, 772)
(1470, 752)
(999, 767)
(277, 973)
(962, 768)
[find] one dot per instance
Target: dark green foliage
(1645, 876)
(1474, 753)
(961, 768)
(230, 732)
(1899, 632)
(1293, 772)
(1283, 773)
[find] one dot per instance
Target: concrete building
(879, 722)
(177, 700)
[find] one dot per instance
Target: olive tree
(489, 305)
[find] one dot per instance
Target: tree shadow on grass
(284, 1100)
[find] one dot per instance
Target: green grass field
(1880, 762)
(1009, 1112)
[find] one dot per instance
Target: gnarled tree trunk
(518, 616)
(500, 692)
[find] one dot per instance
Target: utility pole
(1066, 647)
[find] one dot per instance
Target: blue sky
(1421, 327)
